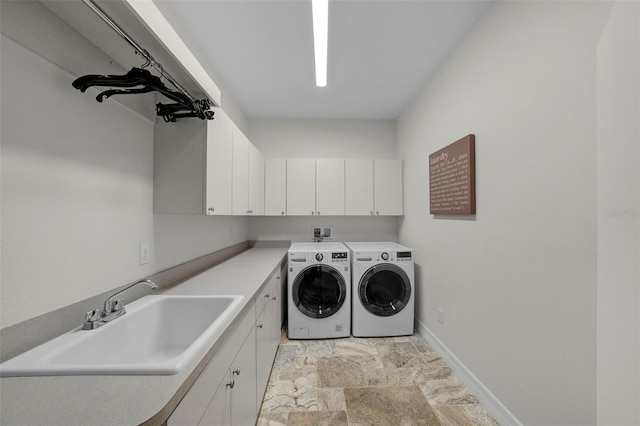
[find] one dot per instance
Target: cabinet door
(275, 322)
(255, 181)
(358, 187)
(275, 187)
(219, 411)
(330, 187)
(268, 329)
(244, 410)
(261, 185)
(240, 173)
(277, 306)
(197, 400)
(263, 360)
(219, 165)
(387, 184)
(301, 187)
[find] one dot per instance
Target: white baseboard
(493, 406)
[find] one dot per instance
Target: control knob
(385, 256)
(319, 257)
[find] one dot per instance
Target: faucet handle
(118, 304)
(93, 315)
(92, 319)
(113, 305)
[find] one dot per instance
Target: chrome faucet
(113, 308)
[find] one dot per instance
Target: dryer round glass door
(319, 291)
(384, 290)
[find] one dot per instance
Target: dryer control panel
(404, 255)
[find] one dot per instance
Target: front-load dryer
(383, 289)
(319, 291)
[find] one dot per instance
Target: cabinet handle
(377, 212)
(231, 384)
(371, 212)
(313, 213)
(266, 296)
(274, 298)
(260, 325)
(236, 371)
(211, 209)
(318, 213)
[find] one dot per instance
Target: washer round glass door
(384, 290)
(319, 291)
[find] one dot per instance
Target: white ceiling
(380, 52)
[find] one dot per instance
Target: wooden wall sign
(452, 178)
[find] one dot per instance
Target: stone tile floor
(366, 381)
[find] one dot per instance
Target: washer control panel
(319, 257)
(340, 257)
(385, 256)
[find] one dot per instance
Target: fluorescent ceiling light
(320, 10)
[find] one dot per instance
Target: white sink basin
(157, 335)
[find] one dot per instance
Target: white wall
(517, 281)
(319, 138)
(618, 71)
(77, 188)
(299, 228)
(181, 238)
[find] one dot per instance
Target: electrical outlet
(441, 316)
(145, 254)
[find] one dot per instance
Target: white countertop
(124, 400)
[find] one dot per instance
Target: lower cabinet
(233, 402)
(268, 329)
(219, 410)
(229, 390)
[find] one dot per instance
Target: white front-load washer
(319, 291)
(383, 289)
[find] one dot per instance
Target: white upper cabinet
(301, 187)
(248, 176)
(359, 187)
(275, 187)
(256, 181)
(315, 187)
(219, 165)
(330, 187)
(192, 166)
(240, 173)
(387, 187)
(373, 187)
